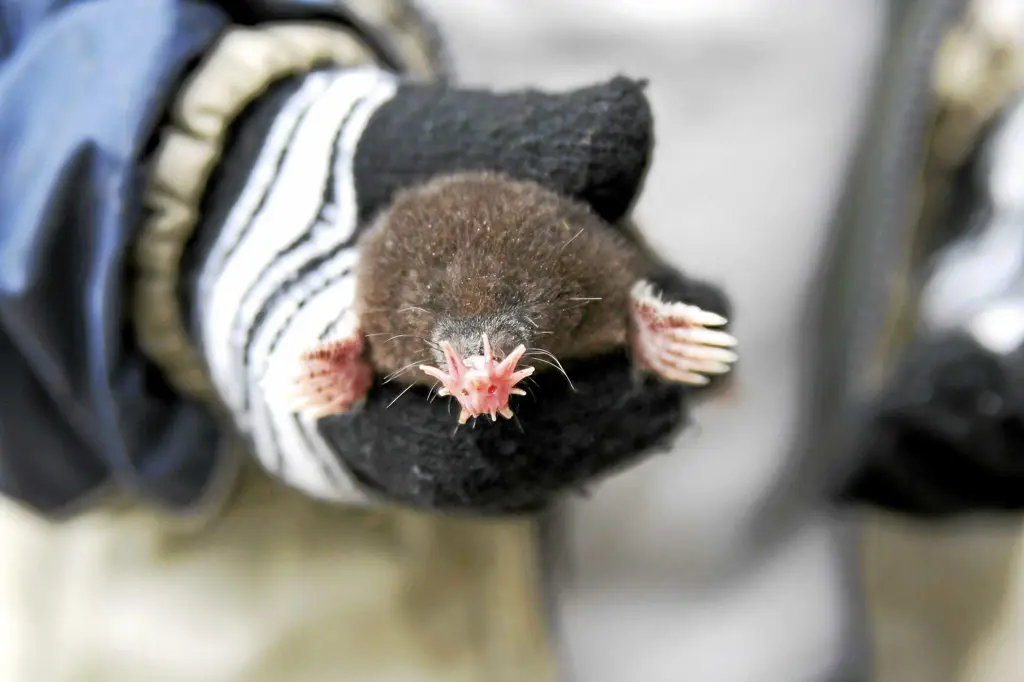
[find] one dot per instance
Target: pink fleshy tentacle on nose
(479, 383)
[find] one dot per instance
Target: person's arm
(85, 88)
(946, 435)
(305, 121)
(909, 409)
(79, 99)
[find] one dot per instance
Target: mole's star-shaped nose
(480, 383)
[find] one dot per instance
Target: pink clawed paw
(329, 379)
(674, 341)
(481, 384)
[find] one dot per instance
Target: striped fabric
(281, 274)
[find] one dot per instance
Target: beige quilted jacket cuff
(242, 65)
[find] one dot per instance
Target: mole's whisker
(556, 364)
(546, 362)
(571, 240)
(394, 375)
(430, 344)
(535, 351)
(529, 389)
(430, 394)
(406, 390)
(416, 308)
(400, 336)
(374, 311)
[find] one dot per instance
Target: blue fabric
(83, 85)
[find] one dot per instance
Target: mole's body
(476, 281)
(473, 255)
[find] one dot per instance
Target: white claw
(703, 366)
(691, 378)
(676, 341)
(694, 315)
(707, 319)
(707, 337)
(689, 350)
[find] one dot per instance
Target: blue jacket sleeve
(83, 86)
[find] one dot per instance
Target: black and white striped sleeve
(280, 273)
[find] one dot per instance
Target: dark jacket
(80, 101)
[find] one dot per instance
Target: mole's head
(477, 360)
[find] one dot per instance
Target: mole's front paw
(673, 340)
(329, 379)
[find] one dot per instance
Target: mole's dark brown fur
(479, 253)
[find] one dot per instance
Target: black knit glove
(947, 436)
(257, 288)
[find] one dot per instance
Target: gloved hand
(592, 144)
(945, 434)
